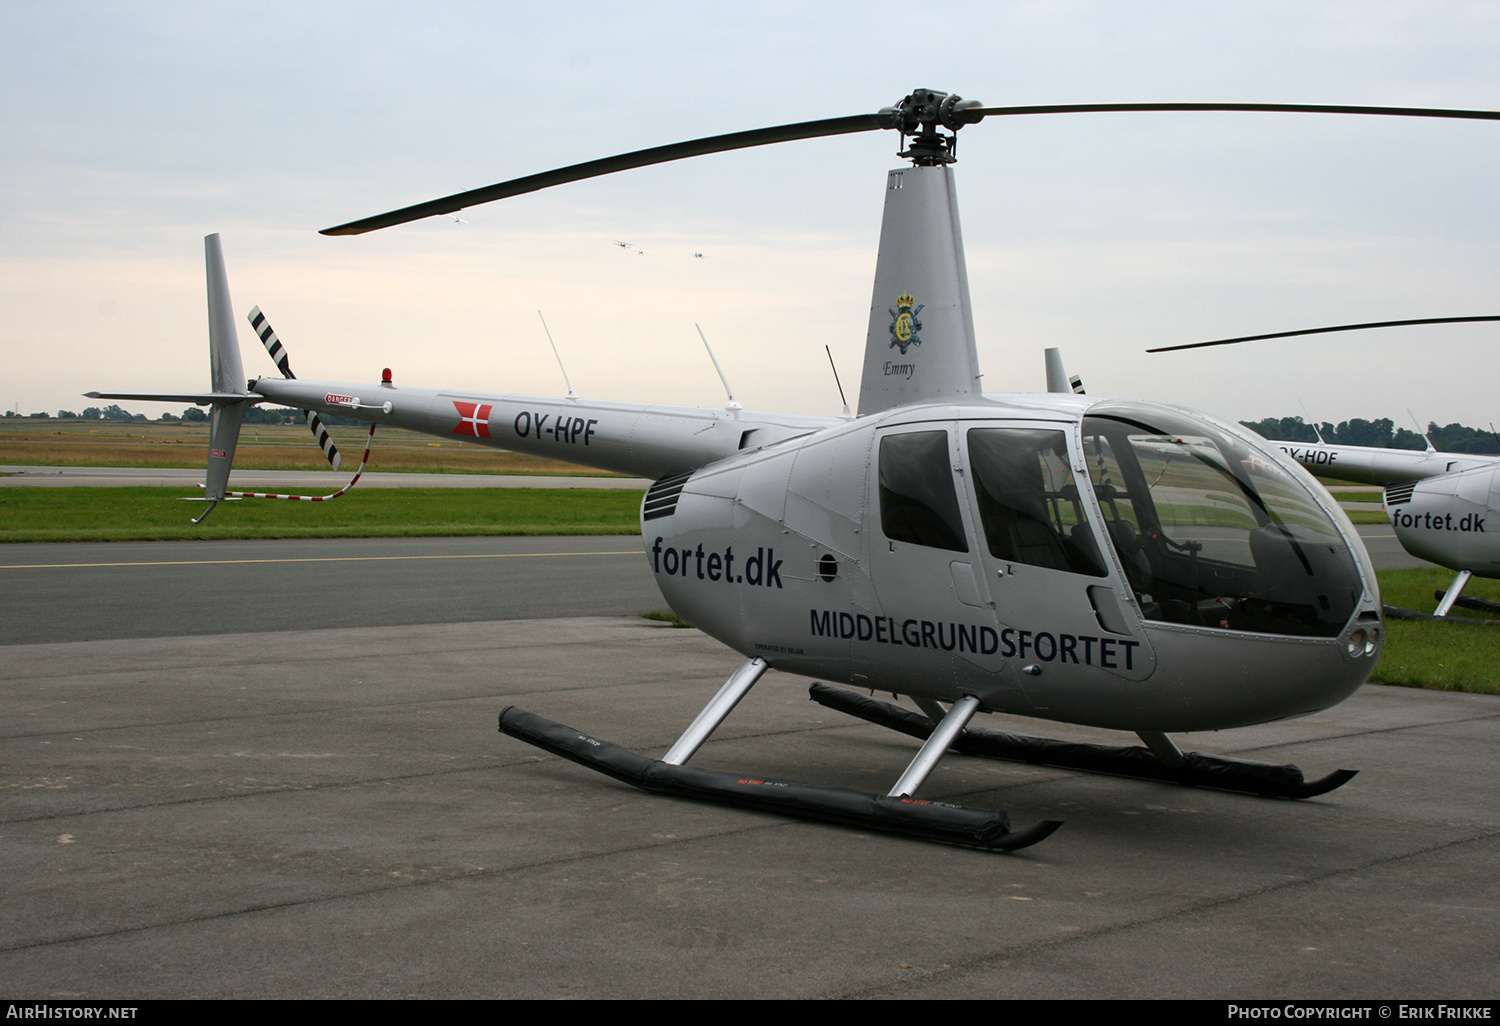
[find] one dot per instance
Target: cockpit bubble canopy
(1211, 530)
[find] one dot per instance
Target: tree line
(1380, 434)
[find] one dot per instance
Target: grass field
(138, 443)
(1441, 656)
(155, 514)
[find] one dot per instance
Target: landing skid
(987, 829)
(1197, 770)
(1471, 602)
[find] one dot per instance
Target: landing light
(1363, 642)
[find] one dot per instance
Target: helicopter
(1443, 506)
(1063, 557)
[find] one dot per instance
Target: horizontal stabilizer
(200, 398)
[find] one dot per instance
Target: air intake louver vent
(1399, 494)
(661, 498)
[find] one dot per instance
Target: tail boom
(627, 438)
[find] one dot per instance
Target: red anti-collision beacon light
(385, 376)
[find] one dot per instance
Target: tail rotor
(278, 353)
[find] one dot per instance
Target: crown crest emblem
(904, 323)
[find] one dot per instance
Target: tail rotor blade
(278, 353)
(271, 342)
(330, 451)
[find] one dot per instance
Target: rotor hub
(920, 114)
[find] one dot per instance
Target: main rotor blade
(1322, 331)
(609, 165)
(1305, 108)
(831, 126)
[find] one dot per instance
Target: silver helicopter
(1121, 564)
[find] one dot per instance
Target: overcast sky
(130, 131)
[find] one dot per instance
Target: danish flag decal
(473, 419)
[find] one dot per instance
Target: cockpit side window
(918, 503)
(1028, 500)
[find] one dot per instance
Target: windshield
(1211, 531)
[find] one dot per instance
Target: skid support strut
(1163, 747)
(1156, 763)
(721, 705)
(1454, 591)
(936, 744)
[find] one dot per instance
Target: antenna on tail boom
(571, 393)
(732, 404)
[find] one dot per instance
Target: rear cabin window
(918, 503)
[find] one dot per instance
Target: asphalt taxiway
(94, 592)
(228, 804)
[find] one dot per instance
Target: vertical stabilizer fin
(228, 373)
(920, 346)
(223, 339)
(1057, 378)
(223, 435)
